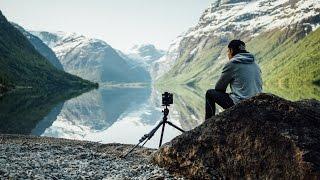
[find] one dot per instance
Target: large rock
(260, 138)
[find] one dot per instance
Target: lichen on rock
(264, 137)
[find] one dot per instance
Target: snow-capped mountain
(144, 54)
(165, 63)
(200, 51)
(92, 59)
(41, 47)
(251, 17)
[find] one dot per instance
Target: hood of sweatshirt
(243, 58)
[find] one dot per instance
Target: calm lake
(107, 115)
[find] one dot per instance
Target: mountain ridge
(201, 51)
(91, 58)
(22, 65)
(41, 47)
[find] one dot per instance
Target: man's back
(247, 80)
(241, 73)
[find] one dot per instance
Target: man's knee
(211, 93)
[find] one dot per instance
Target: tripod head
(165, 111)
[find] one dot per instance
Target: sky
(121, 23)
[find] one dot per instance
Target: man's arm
(225, 78)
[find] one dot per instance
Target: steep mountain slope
(165, 63)
(145, 54)
(41, 47)
(22, 65)
(293, 61)
(92, 59)
(202, 50)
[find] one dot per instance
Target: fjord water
(113, 115)
(106, 115)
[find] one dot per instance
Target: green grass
(288, 61)
(286, 58)
(294, 92)
(197, 69)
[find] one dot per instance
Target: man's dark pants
(213, 97)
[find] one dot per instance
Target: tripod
(148, 136)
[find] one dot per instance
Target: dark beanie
(237, 46)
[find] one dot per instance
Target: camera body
(167, 99)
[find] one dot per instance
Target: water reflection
(188, 105)
(94, 111)
(105, 115)
(21, 110)
(136, 122)
(108, 115)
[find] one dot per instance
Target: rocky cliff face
(265, 137)
(92, 59)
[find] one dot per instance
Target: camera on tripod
(167, 99)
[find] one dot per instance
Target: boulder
(265, 137)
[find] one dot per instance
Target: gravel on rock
(30, 157)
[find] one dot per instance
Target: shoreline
(26, 156)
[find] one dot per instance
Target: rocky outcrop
(265, 137)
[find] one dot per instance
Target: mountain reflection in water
(107, 115)
(120, 115)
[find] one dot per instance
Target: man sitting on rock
(243, 75)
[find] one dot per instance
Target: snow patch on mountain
(145, 54)
(237, 18)
(253, 16)
(92, 59)
(165, 63)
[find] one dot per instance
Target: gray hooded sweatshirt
(243, 75)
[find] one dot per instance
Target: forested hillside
(22, 65)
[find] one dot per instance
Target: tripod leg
(124, 156)
(145, 138)
(163, 125)
(170, 123)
